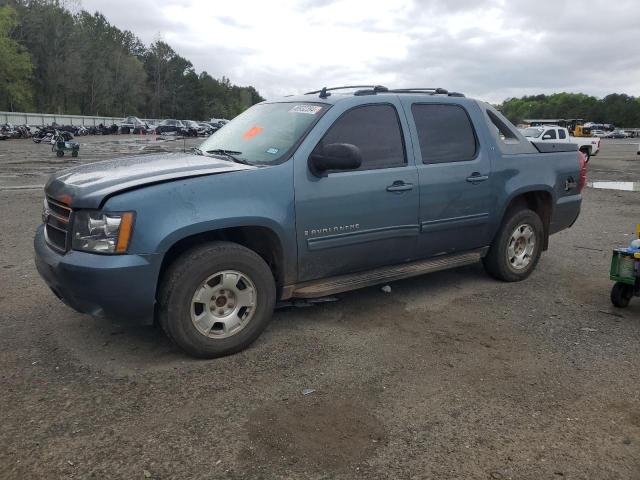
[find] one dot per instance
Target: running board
(344, 283)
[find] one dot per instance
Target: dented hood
(87, 186)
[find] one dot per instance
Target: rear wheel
(216, 299)
(60, 153)
(621, 294)
(587, 153)
(517, 246)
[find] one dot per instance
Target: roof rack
(324, 91)
(428, 90)
(374, 89)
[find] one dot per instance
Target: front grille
(56, 217)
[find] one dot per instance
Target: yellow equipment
(580, 131)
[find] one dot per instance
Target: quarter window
(562, 134)
(445, 133)
(375, 130)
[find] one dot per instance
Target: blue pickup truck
(303, 197)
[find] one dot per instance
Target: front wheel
(216, 299)
(516, 249)
(60, 153)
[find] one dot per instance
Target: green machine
(625, 271)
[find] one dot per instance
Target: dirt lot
(451, 375)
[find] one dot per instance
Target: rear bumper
(121, 287)
(565, 213)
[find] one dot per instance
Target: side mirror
(546, 137)
(335, 156)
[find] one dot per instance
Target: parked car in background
(220, 122)
(305, 197)
(555, 134)
(171, 127)
(133, 125)
(192, 128)
(207, 128)
(617, 134)
(598, 133)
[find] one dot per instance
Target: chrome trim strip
(361, 236)
(454, 222)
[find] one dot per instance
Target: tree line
(56, 61)
(617, 109)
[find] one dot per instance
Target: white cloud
(492, 49)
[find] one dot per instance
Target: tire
(621, 294)
(74, 153)
(60, 153)
(198, 274)
(503, 263)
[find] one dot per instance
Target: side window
(504, 132)
(562, 134)
(445, 133)
(375, 130)
(549, 134)
(507, 137)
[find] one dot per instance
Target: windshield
(532, 132)
(266, 132)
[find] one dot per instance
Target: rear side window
(504, 132)
(375, 130)
(508, 139)
(445, 133)
(562, 134)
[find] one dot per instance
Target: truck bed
(550, 147)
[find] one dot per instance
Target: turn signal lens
(126, 226)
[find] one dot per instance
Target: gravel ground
(451, 375)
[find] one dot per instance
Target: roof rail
(373, 89)
(428, 90)
(324, 92)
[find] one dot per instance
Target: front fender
(169, 212)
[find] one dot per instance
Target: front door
(355, 220)
(456, 195)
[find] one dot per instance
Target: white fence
(20, 118)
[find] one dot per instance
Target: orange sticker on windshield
(252, 132)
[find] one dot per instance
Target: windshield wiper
(229, 154)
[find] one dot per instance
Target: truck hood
(87, 186)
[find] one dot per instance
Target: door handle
(476, 177)
(399, 186)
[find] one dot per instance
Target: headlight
(99, 232)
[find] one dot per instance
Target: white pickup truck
(554, 134)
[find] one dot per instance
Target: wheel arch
(261, 239)
(539, 200)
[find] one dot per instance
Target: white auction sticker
(304, 108)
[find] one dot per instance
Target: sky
(487, 49)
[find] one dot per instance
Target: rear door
(454, 171)
(351, 221)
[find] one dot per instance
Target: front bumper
(121, 287)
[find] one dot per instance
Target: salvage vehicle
(303, 197)
(133, 125)
(192, 128)
(590, 146)
(171, 127)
